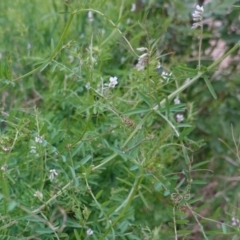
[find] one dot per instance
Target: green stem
(200, 74)
(232, 50)
(125, 205)
(59, 45)
(200, 47)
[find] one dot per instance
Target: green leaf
(44, 230)
(195, 200)
(137, 111)
(224, 228)
(124, 181)
(237, 7)
(144, 200)
(99, 194)
(166, 193)
(210, 88)
(76, 181)
(86, 159)
(199, 164)
(186, 132)
(158, 186)
(186, 69)
(180, 183)
(145, 99)
(182, 221)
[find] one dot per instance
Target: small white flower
(235, 222)
(142, 49)
(179, 117)
(90, 16)
(53, 174)
(133, 8)
(39, 195)
(88, 86)
(29, 46)
(33, 149)
(38, 139)
(6, 149)
(4, 167)
(123, 59)
(166, 76)
(129, 20)
(158, 65)
(177, 101)
(89, 232)
(71, 58)
(112, 82)
(200, 9)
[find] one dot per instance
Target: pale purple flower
(179, 117)
(235, 222)
(198, 16)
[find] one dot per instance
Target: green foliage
(87, 155)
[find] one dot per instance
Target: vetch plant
(121, 154)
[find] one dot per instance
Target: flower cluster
(166, 76)
(142, 59)
(235, 222)
(53, 174)
(179, 116)
(39, 139)
(39, 195)
(33, 149)
(198, 16)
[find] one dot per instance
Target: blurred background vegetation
(81, 126)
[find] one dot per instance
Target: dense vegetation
(119, 119)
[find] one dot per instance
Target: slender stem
(59, 45)
(174, 223)
(200, 74)
(200, 47)
(113, 24)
